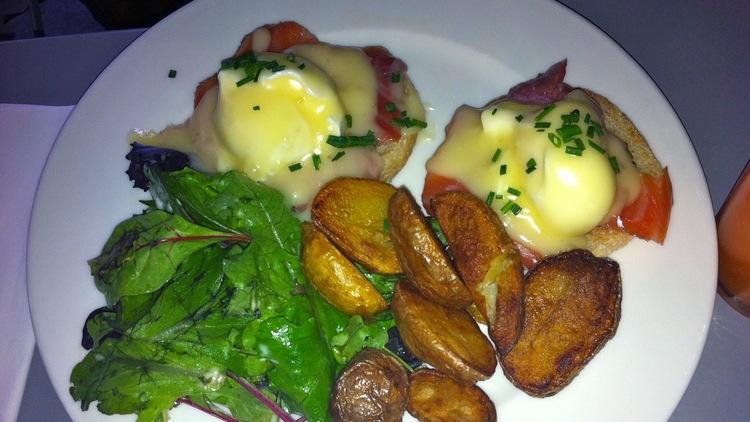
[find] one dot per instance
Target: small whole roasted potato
(448, 339)
(335, 277)
(572, 309)
(487, 260)
(352, 213)
(421, 254)
(372, 387)
(436, 397)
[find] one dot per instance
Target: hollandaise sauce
(293, 121)
(552, 173)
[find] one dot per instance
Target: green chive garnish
(530, 165)
(386, 225)
(338, 155)
(256, 108)
(515, 209)
(556, 140)
(519, 118)
(543, 125)
(573, 150)
(490, 198)
(514, 191)
(494, 111)
(348, 120)
(172, 73)
(418, 123)
(395, 78)
(596, 146)
(544, 112)
(496, 155)
(587, 119)
(390, 107)
(352, 141)
(503, 169)
(294, 167)
(291, 57)
(567, 132)
(510, 205)
(316, 161)
(301, 66)
(615, 165)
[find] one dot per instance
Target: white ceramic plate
(457, 53)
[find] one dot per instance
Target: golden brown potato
(352, 213)
(448, 339)
(436, 397)
(335, 277)
(487, 260)
(422, 255)
(572, 308)
(372, 387)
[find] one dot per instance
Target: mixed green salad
(207, 305)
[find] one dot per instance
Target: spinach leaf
(144, 252)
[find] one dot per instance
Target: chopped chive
(590, 132)
(256, 108)
(587, 119)
(519, 118)
(615, 165)
(418, 123)
(395, 78)
(291, 57)
(538, 125)
(301, 66)
(510, 205)
(294, 167)
(530, 165)
(403, 113)
(390, 107)
(172, 73)
(496, 155)
(567, 132)
(544, 112)
(490, 198)
(494, 110)
(515, 209)
(569, 119)
(244, 80)
(338, 155)
(596, 146)
(573, 150)
(579, 143)
(386, 225)
(348, 120)
(352, 141)
(316, 161)
(514, 191)
(556, 140)
(503, 169)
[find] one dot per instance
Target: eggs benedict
(295, 113)
(547, 160)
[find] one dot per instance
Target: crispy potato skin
(487, 261)
(436, 397)
(572, 308)
(352, 212)
(335, 277)
(421, 254)
(372, 387)
(448, 339)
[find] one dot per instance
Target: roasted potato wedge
(436, 397)
(372, 387)
(487, 261)
(352, 213)
(448, 339)
(335, 277)
(572, 308)
(421, 254)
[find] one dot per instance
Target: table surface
(697, 51)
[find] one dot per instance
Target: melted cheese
(565, 196)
